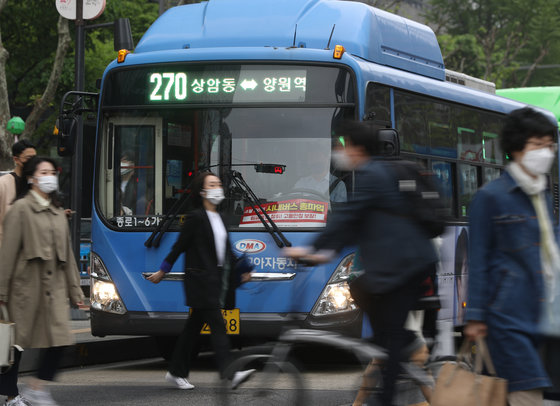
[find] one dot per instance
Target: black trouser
(49, 359)
(387, 314)
(186, 346)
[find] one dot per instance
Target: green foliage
(463, 52)
(29, 34)
(498, 40)
(99, 42)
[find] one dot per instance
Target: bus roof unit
(470, 81)
(364, 31)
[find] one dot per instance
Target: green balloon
(16, 125)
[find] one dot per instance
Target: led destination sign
(181, 83)
(248, 85)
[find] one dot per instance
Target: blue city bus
(252, 89)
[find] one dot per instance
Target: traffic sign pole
(77, 158)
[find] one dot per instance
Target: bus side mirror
(388, 142)
(122, 35)
(65, 128)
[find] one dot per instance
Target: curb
(104, 351)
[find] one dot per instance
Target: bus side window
(442, 139)
(489, 174)
(491, 125)
(443, 171)
(468, 185)
(469, 139)
(378, 102)
(410, 121)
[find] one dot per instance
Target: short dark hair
(367, 135)
(522, 124)
(21, 146)
(128, 154)
(198, 186)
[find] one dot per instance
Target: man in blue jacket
(396, 252)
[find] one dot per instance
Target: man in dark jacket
(396, 253)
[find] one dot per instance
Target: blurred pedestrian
(14, 183)
(513, 254)
(210, 280)
(396, 252)
(37, 277)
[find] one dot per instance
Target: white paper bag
(6, 339)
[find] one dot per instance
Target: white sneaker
(181, 383)
(40, 397)
(17, 401)
(241, 376)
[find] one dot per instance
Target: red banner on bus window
(289, 213)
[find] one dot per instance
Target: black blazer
(203, 281)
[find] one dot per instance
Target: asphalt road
(142, 383)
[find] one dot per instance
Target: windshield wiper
(154, 239)
(271, 228)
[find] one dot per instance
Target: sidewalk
(90, 350)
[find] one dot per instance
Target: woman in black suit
(209, 282)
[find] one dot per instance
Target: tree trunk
(6, 140)
(543, 53)
(42, 103)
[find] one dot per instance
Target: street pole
(77, 158)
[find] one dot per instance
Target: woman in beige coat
(37, 277)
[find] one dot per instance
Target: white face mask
(538, 161)
(126, 168)
(47, 184)
(341, 160)
(214, 196)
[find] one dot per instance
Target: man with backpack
(382, 219)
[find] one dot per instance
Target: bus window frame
(457, 217)
(105, 182)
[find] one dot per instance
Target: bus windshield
(150, 154)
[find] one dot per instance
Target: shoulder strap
(334, 184)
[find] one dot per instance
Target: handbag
(549, 322)
(7, 333)
(458, 384)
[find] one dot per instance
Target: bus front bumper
(253, 325)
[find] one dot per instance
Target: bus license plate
(231, 321)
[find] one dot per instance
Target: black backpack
(418, 185)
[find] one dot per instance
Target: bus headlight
(104, 295)
(336, 297)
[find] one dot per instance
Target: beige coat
(38, 273)
(7, 196)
